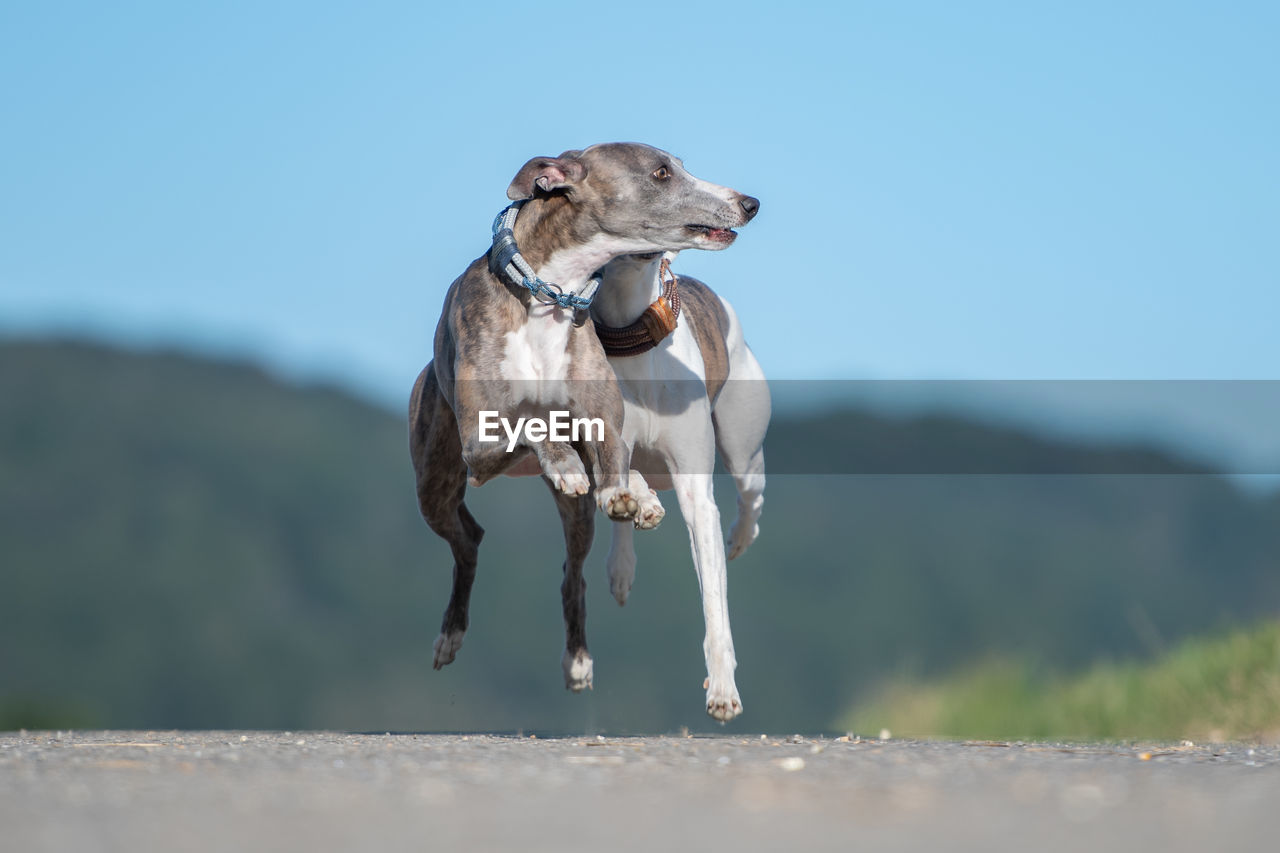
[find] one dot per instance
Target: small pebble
(885, 734)
(791, 763)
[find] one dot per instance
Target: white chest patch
(536, 356)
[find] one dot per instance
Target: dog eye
(661, 174)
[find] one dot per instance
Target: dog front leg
(651, 511)
(698, 506)
(563, 468)
(621, 493)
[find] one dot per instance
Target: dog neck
(558, 246)
(631, 283)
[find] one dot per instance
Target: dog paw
(741, 535)
(723, 703)
(618, 504)
(446, 648)
(651, 512)
(577, 670)
(567, 475)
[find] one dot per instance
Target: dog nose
(750, 206)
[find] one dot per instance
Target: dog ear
(546, 174)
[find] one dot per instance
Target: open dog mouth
(717, 235)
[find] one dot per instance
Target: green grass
(27, 713)
(1211, 689)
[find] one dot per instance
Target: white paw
(446, 647)
(617, 503)
(651, 513)
(722, 699)
(740, 538)
(577, 670)
(568, 475)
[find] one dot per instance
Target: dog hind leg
(577, 515)
(442, 482)
(741, 418)
(748, 477)
(622, 552)
(622, 561)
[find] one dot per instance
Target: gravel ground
(228, 790)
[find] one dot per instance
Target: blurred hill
(186, 543)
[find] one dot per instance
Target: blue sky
(949, 190)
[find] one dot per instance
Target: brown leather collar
(657, 321)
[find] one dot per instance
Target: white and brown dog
(690, 385)
(513, 341)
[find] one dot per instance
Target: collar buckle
(505, 260)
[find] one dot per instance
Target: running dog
(513, 342)
(690, 385)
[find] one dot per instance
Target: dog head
(639, 195)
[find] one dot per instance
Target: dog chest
(535, 356)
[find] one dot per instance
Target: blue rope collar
(505, 259)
